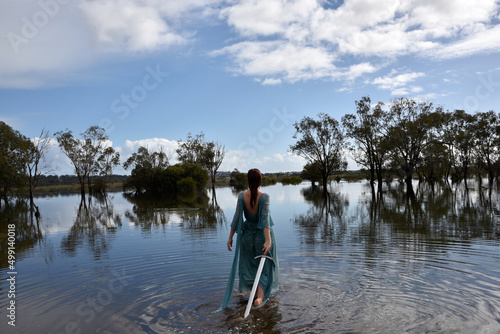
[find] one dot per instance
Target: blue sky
(242, 72)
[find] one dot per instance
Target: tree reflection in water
(441, 211)
(197, 215)
(436, 212)
(28, 230)
(325, 221)
(94, 222)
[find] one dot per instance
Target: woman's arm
(267, 243)
(235, 222)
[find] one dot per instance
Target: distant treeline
(238, 180)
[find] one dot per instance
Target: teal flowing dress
(249, 244)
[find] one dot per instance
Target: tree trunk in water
(32, 202)
(379, 179)
(82, 190)
(491, 177)
(89, 184)
(372, 174)
(325, 183)
(409, 185)
(212, 178)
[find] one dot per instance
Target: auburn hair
(254, 179)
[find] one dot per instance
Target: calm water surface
(351, 263)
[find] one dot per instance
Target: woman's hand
(230, 240)
(267, 246)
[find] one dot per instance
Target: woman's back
(251, 213)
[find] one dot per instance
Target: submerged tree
(13, 159)
(208, 154)
(84, 153)
(321, 142)
(487, 136)
(105, 164)
(145, 166)
(409, 125)
(37, 163)
(218, 152)
(459, 137)
(366, 128)
(312, 172)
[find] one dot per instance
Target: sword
(256, 282)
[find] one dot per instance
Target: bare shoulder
(247, 193)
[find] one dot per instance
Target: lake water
(351, 263)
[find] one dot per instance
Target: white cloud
(278, 34)
(399, 92)
(290, 61)
(486, 41)
(358, 70)
(274, 40)
(152, 144)
(397, 82)
(48, 43)
(129, 25)
(268, 17)
(271, 81)
(41, 45)
(442, 18)
(58, 161)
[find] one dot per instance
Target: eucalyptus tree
(321, 142)
(216, 156)
(409, 129)
(85, 152)
(13, 159)
(145, 166)
(197, 150)
(366, 129)
(434, 164)
(194, 150)
(459, 136)
(105, 164)
(487, 144)
(437, 156)
(37, 162)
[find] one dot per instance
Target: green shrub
(186, 186)
(268, 181)
(238, 180)
(169, 177)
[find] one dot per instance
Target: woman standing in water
(253, 224)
